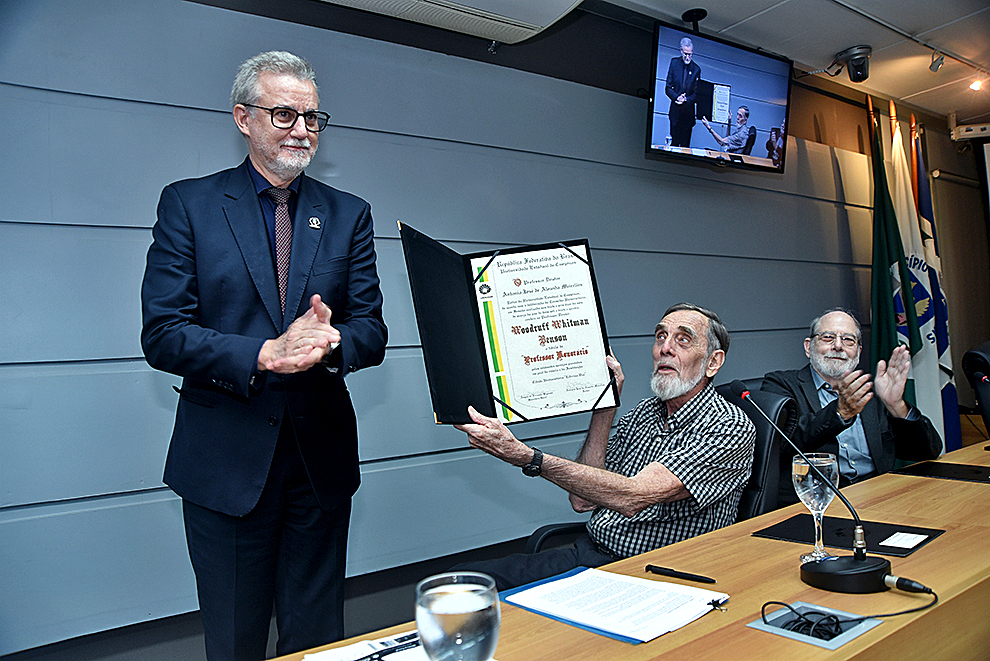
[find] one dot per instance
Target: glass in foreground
(458, 616)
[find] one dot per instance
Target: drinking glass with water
(458, 616)
(815, 494)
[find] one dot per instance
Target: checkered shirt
(707, 443)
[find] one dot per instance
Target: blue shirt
(854, 454)
(268, 205)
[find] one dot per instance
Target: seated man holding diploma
(674, 468)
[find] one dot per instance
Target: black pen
(673, 573)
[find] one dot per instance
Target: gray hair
(246, 89)
(717, 335)
(686, 41)
(859, 328)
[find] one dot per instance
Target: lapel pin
(314, 223)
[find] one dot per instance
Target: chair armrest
(535, 542)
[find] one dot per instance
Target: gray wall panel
(90, 47)
(74, 568)
(477, 193)
(467, 192)
(397, 308)
(747, 294)
(85, 429)
(415, 509)
(108, 159)
(70, 293)
(97, 272)
(752, 355)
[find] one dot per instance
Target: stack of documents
(627, 608)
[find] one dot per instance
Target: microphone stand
(857, 573)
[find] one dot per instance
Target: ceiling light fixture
(937, 59)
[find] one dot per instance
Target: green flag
(890, 270)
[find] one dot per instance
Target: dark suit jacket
(210, 300)
(675, 86)
(816, 428)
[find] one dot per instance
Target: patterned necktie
(283, 238)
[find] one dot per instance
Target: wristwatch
(532, 469)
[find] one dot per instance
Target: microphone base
(847, 574)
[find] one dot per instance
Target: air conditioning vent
(507, 21)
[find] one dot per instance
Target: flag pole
(893, 119)
(869, 110)
(914, 160)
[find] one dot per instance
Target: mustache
(293, 142)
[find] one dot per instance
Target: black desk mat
(838, 533)
(947, 471)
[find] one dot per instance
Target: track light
(857, 61)
(937, 60)
(976, 86)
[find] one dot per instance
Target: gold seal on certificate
(526, 320)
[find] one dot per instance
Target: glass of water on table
(814, 493)
(458, 616)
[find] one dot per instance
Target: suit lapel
(247, 224)
(871, 429)
(308, 225)
(808, 388)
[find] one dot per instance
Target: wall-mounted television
(717, 102)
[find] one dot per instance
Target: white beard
(831, 367)
(289, 166)
(286, 166)
(668, 387)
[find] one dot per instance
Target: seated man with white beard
(674, 468)
(837, 412)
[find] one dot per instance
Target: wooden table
(754, 570)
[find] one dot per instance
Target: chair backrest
(976, 360)
(760, 494)
(750, 141)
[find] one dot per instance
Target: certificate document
(516, 333)
(543, 336)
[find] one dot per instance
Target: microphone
(855, 574)
(980, 377)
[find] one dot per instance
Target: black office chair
(542, 535)
(974, 361)
(760, 494)
(748, 148)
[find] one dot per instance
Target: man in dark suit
(682, 88)
(838, 412)
(264, 448)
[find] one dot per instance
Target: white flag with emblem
(924, 364)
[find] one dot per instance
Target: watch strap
(535, 465)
